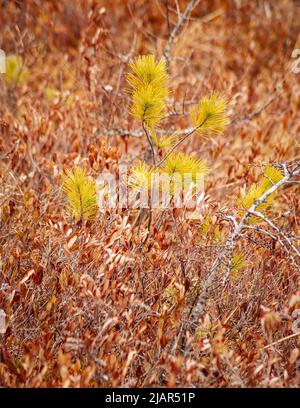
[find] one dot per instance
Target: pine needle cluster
(177, 167)
(184, 164)
(147, 71)
(80, 191)
(247, 198)
(148, 81)
(140, 178)
(209, 116)
(16, 72)
(237, 263)
(272, 176)
(162, 142)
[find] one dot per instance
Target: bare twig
(274, 238)
(176, 30)
(278, 230)
(177, 144)
(281, 340)
(222, 258)
(149, 138)
(139, 133)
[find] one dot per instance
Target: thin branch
(281, 340)
(273, 226)
(139, 133)
(255, 113)
(274, 238)
(177, 144)
(150, 141)
(176, 30)
(205, 293)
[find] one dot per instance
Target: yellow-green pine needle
(183, 170)
(16, 72)
(247, 199)
(51, 93)
(162, 142)
(80, 191)
(238, 261)
(148, 80)
(148, 104)
(210, 115)
(140, 178)
(218, 234)
(206, 225)
(147, 71)
(184, 165)
(272, 176)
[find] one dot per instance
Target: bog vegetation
(97, 297)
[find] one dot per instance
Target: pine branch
(200, 304)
